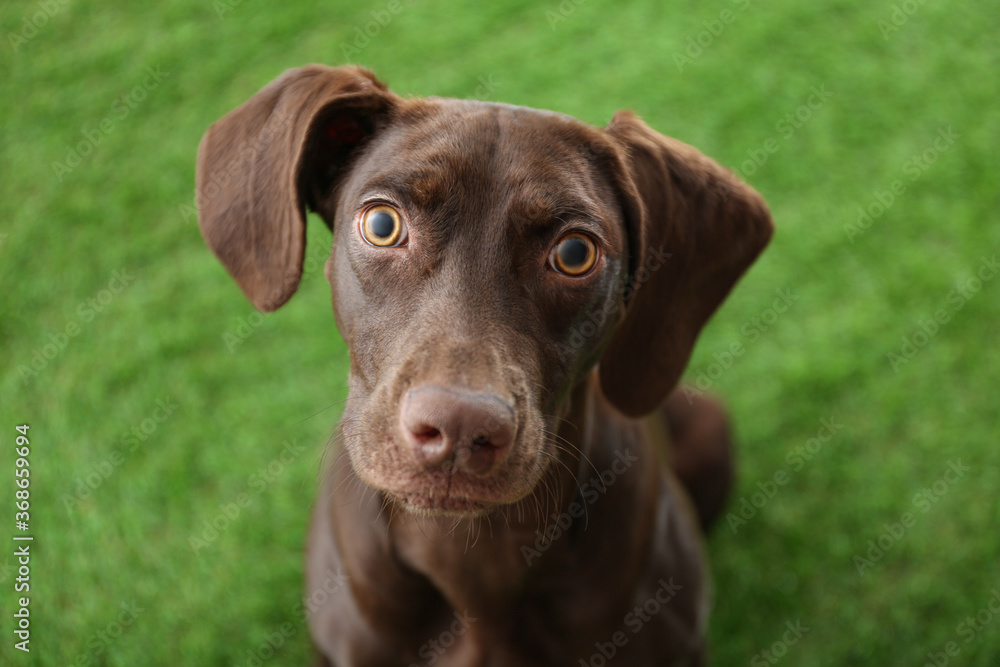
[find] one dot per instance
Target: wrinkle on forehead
(457, 156)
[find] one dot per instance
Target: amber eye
(382, 226)
(575, 254)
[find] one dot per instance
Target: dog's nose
(473, 430)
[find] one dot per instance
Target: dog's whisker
(393, 508)
(381, 509)
(567, 443)
(347, 483)
(420, 526)
(351, 487)
(572, 473)
(562, 419)
(332, 405)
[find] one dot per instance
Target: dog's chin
(425, 504)
(458, 494)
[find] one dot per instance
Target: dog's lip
(426, 502)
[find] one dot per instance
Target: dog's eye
(382, 226)
(575, 254)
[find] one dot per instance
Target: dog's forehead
(460, 106)
(501, 134)
(440, 149)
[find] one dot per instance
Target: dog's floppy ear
(261, 164)
(694, 228)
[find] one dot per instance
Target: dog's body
(499, 503)
(620, 562)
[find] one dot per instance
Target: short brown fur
(488, 391)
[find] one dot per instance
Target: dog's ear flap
(694, 228)
(261, 164)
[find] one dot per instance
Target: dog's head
(486, 258)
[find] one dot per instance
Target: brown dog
(517, 289)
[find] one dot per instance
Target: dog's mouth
(455, 491)
(442, 448)
(458, 493)
(422, 503)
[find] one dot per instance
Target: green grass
(127, 207)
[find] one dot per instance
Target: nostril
(444, 424)
(426, 434)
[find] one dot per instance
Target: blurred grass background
(120, 485)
